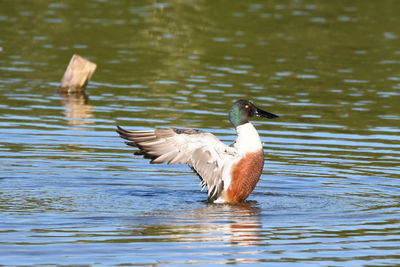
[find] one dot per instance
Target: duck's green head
(243, 109)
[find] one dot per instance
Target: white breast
(248, 139)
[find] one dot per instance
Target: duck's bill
(265, 114)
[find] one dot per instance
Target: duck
(230, 172)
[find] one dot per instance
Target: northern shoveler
(230, 172)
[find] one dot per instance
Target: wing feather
(200, 150)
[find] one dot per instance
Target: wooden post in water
(77, 75)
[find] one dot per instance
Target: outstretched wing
(202, 151)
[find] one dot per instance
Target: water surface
(72, 192)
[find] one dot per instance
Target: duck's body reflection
(237, 223)
(226, 225)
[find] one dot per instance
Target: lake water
(71, 191)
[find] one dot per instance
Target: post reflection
(77, 111)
